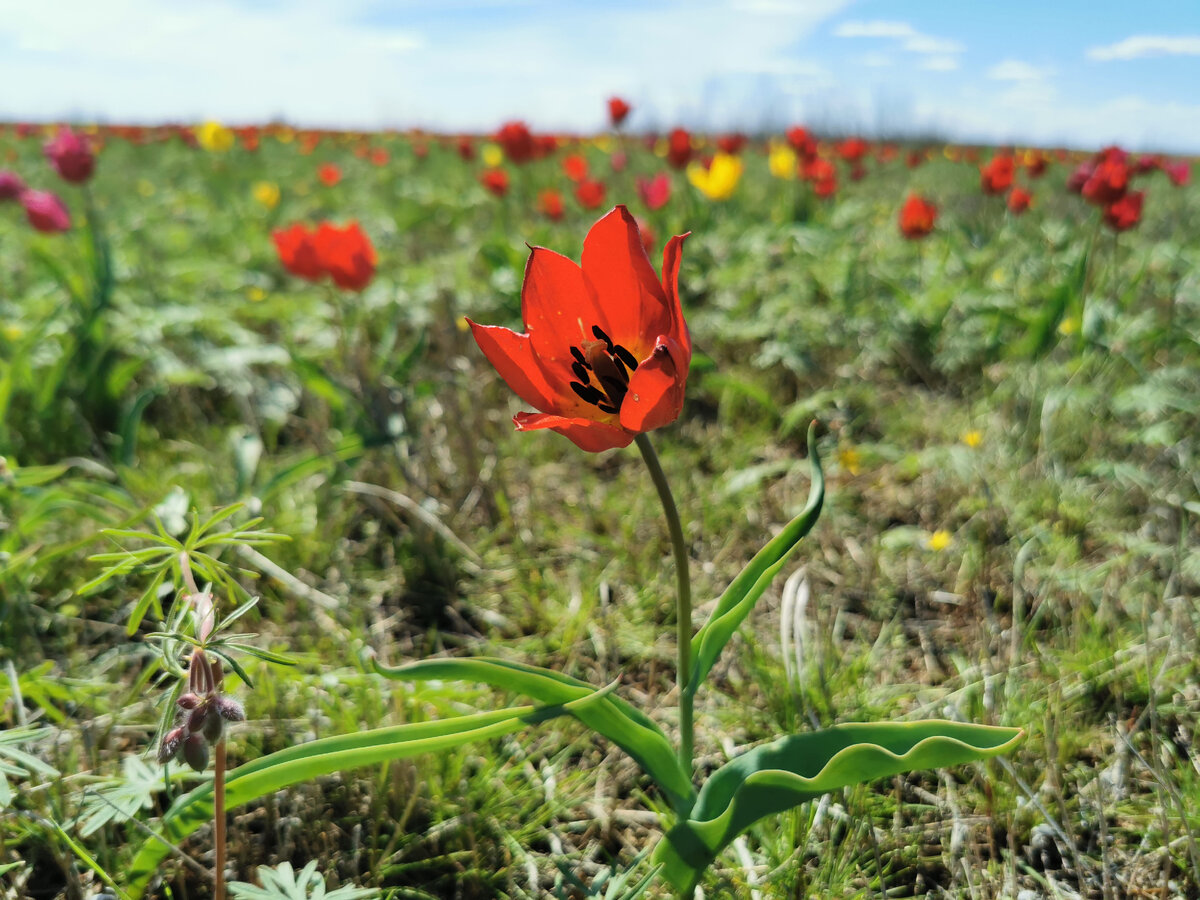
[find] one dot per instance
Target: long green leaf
(743, 592)
(628, 728)
(784, 773)
(305, 762)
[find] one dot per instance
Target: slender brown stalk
(219, 821)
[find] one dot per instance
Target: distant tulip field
(328, 568)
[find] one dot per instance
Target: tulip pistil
(602, 368)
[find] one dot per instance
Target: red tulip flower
(914, 159)
(1079, 177)
(297, 250)
(1180, 172)
(997, 176)
(1125, 213)
(852, 150)
(823, 175)
(71, 156)
(329, 174)
(346, 254)
(11, 185)
(654, 192)
(517, 141)
(618, 110)
(605, 352)
(679, 148)
(732, 144)
(575, 167)
(45, 212)
(590, 194)
(380, 156)
(917, 216)
(802, 142)
(466, 149)
(618, 161)
(1019, 200)
(496, 181)
(1107, 183)
(550, 204)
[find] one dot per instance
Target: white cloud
(874, 29)
(1018, 70)
(1147, 45)
(910, 39)
(940, 63)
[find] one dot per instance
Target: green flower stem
(683, 601)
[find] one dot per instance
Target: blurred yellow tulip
(782, 161)
(492, 155)
(214, 137)
(719, 179)
(266, 193)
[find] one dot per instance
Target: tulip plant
(604, 360)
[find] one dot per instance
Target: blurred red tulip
(917, 216)
(914, 158)
(45, 211)
(1019, 200)
(466, 149)
(997, 176)
(517, 141)
(654, 192)
(733, 144)
(575, 167)
(550, 204)
(1180, 172)
(802, 142)
(329, 174)
(496, 181)
(11, 185)
(618, 109)
(852, 150)
(1108, 182)
(618, 161)
(380, 156)
(679, 148)
(1079, 177)
(1147, 163)
(590, 194)
(298, 252)
(1035, 163)
(1125, 213)
(346, 254)
(71, 156)
(823, 175)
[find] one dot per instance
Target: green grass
(1065, 602)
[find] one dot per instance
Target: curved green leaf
(784, 773)
(743, 592)
(326, 756)
(628, 728)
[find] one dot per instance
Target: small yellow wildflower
(939, 540)
(719, 179)
(214, 137)
(973, 438)
(266, 193)
(145, 187)
(660, 147)
(285, 135)
(603, 143)
(782, 162)
(1068, 326)
(13, 331)
(492, 155)
(850, 459)
(256, 294)
(999, 277)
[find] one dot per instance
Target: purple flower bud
(194, 723)
(11, 185)
(195, 752)
(230, 709)
(71, 156)
(214, 725)
(188, 701)
(169, 747)
(45, 211)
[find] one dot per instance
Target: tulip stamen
(610, 364)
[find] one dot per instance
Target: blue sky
(1051, 71)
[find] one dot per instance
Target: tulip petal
(627, 288)
(656, 389)
(558, 309)
(586, 434)
(512, 355)
(672, 256)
